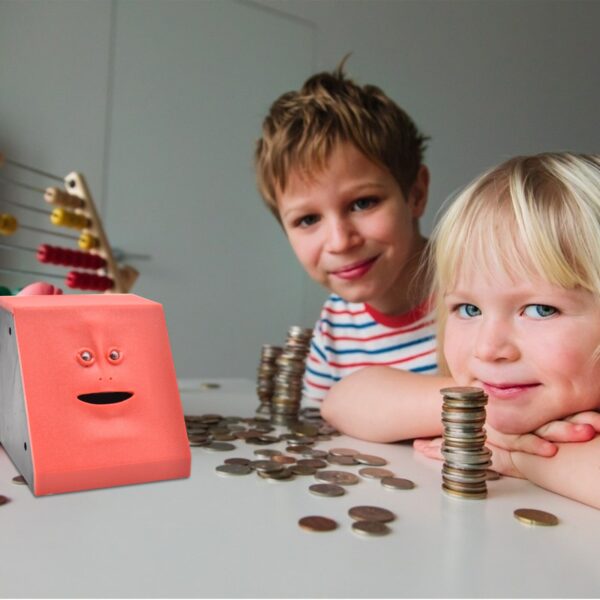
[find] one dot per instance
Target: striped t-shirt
(350, 336)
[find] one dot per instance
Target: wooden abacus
(74, 208)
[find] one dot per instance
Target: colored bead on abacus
(69, 258)
(87, 241)
(61, 198)
(8, 224)
(66, 218)
(88, 281)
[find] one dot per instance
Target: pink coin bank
(88, 392)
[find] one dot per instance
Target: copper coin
(397, 483)
(266, 452)
(345, 461)
(19, 480)
(282, 459)
(369, 459)
(343, 452)
(303, 470)
(4, 500)
(371, 513)
(315, 463)
(314, 523)
(219, 447)
(330, 490)
(233, 470)
(374, 528)
(338, 477)
(492, 475)
(237, 461)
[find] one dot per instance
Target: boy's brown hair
(303, 127)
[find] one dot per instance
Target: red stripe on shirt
(352, 313)
(376, 337)
(316, 385)
(382, 364)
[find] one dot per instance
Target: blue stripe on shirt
(381, 350)
(323, 375)
(349, 325)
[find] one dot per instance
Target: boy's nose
(495, 342)
(341, 236)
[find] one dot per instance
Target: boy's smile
(353, 230)
(528, 343)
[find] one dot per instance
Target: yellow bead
(8, 224)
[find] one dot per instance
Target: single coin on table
(237, 461)
(339, 477)
(371, 513)
(532, 516)
(219, 447)
(369, 459)
(370, 528)
(302, 470)
(344, 461)
(19, 480)
(343, 452)
(375, 473)
(233, 469)
(316, 523)
(397, 483)
(208, 385)
(329, 490)
(3, 500)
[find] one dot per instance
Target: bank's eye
(467, 311)
(539, 311)
(115, 355)
(85, 357)
(364, 203)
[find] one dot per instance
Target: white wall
(158, 103)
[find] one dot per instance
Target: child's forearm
(573, 472)
(382, 404)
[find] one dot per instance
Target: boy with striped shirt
(341, 168)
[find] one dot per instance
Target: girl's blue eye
(364, 203)
(468, 311)
(539, 311)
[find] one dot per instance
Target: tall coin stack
(466, 459)
(265, 382)
(285, 404)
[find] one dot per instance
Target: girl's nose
(496, 342)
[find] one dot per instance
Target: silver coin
(267, 452)
(219, 447)
(339, 477)
(375, 473)
(233, 470)
(397, 483)
(311, 453)
(237, 461)
(329, 490)
(370, 528)
(266, 466)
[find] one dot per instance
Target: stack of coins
(466, 459)
(285, 403)
(265, 383)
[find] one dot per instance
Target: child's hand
(581, 427)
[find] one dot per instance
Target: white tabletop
(214, 536)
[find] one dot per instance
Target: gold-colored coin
(319, 524)
(532, 516)
(371, 513)
(371, 528)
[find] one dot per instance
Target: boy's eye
(539, 311)
(364, 203)
(467, 311)
(306, 221)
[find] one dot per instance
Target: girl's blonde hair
(532, 215)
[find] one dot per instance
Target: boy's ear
(419, 192)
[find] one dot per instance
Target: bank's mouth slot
(105, 397)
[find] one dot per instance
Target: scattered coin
(532, 516)
(397, 483)
(343, 452)
(237, 461)
(4, 500)
(314, 523)
(282, 459)
(303, 470)
(375, 473)
(372, 461)
(315, 463)
(339, 477)
(267, 452)
(19, 480)
(234, 469)
(284, 474)
(371, 513)
(266, 466)
(312, 453)
(374, 528)
(330, 490)
(345, 461)
(219, 447)
(210, 386)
